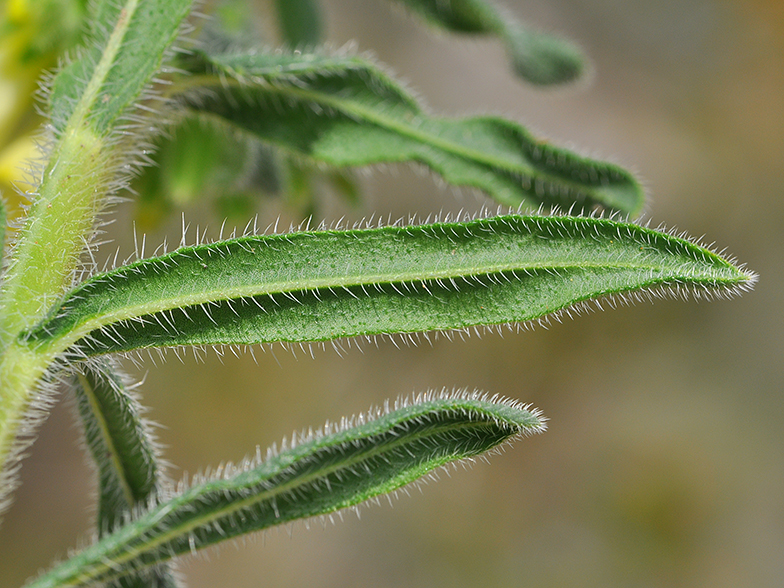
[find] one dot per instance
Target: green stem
(72, 187)
(43, 266)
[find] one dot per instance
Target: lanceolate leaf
(345, 111)
(124, 454)
(537, 57)
(319, 475)
(314, 286)
(118, 441)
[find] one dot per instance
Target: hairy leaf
(300, 22)
(537, 57)
(88, 98)
(118, 441)
(127, 46)
(320, 474)
(321, 285)
(124, 454)
(345, 111)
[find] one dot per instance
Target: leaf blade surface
(323, 285)
(346, 112)
(124, 453)
(318, 475)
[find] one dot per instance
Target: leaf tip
(543, 59)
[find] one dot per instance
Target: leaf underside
(318, 475)
(344, 111)
(123, 451)
(323, 285)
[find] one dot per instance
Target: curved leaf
(319, 475)
(537, 57)
(124, 453)
(321, 285)
(345, 111)
(118, 441)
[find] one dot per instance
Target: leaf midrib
(354, 110)
(101, 72)
(105, 432)
(266, 495)
(169, 303)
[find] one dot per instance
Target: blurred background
(663, 465)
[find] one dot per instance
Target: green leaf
(200, 160)
(345, 185)
(300, 22)
(118, 440)
(537, 57)
(90, 96)
(127, 46)
(322, 285)
(123, 450)
(345, 111)
(320, 474)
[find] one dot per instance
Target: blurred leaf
(235, 206)
(300, 22)
(202, 160)
(322, 473)
(345, 111)
(346, 186)
(537, 57)
(266, 175)
(300, 192)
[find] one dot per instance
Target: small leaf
(322, 285)
(345, 112)
(123, 450)
(118, 441)
(537, 57)
(345, 185)
(200, 160)
(300, 22)
(320, 474)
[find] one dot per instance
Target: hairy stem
(90, 97)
